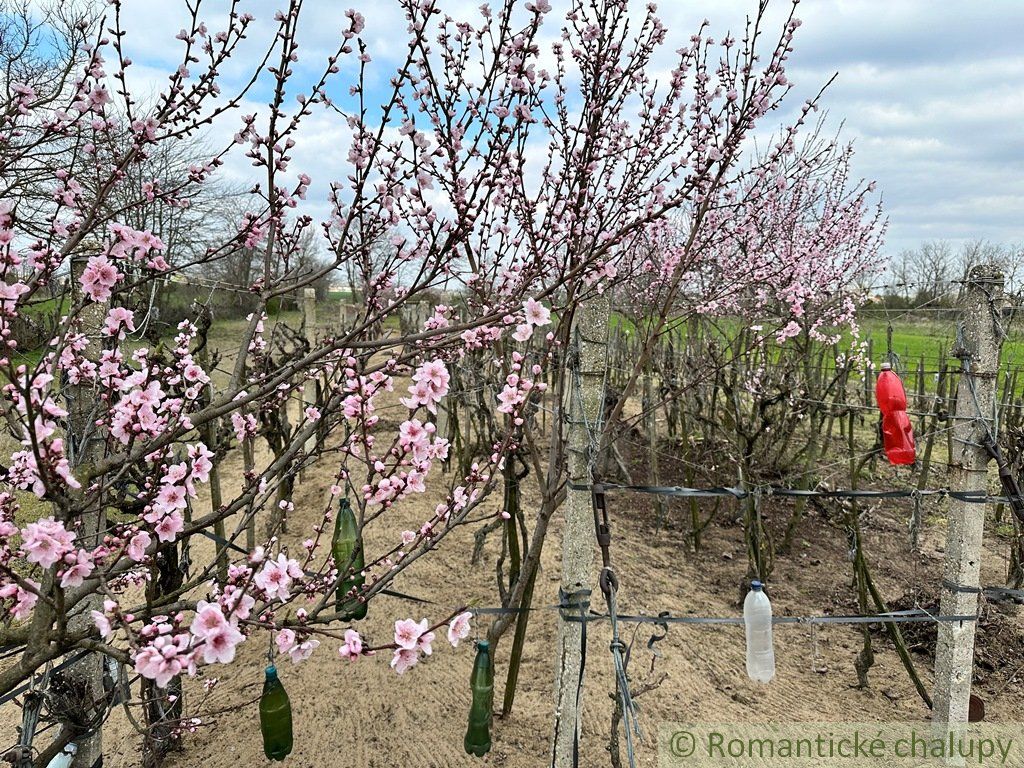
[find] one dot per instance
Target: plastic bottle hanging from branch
(757, 619)
(478, 734)
(897, 433)
(347, 548)
(275, 717)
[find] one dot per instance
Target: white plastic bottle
(64, 758)
(757, 618)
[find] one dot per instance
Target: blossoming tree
(515, 176)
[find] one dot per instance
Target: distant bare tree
(933, 267)
(40, 46)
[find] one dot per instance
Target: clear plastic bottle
(757, 618)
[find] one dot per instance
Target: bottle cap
(272, 671)
(756, 585)
(886, 366)
(482, 645)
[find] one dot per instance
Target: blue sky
(930, 92)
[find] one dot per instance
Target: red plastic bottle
(897, 434)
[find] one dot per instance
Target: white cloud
(930, 92)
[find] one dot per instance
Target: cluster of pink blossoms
(535, 315)
(120, 321)
(15, 599)
(216, 635)
(298, 647)
(415, 640)
(275, 577)
(177, 485)
(99, 278)
(430, 384)
(419, 448)
(517, 388)
(166, 653)
(167, 648)
(101, 274)
(359, 402)
(40, 438)
(170, 651)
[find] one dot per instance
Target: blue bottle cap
(271, 671)
(756, 585)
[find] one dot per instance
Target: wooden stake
(309, 326)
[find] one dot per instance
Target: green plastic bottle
(478, 734)
(275, 717)
(347, 548)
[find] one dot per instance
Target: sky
(930, 93)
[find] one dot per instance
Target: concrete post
(586, 400)
(975, 407)
(86, 444)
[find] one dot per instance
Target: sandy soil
(363, 714)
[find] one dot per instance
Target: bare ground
(363, 714)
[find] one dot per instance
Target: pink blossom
(415, 482)
(171, 497)
(298, 651)
(275, 578)
(46, 541)
(353, 646)
(408, 632)
(102, 624)
(411, 432)
(285, 640)
(63, 470)
(404, 659)
(792, 329)
(24, 599)
(99, 277)
(78, 570)
(509, 398)
(536, 313)
(458, 628)
(193, 373)
(425, 643)
(209, 620)
(137, 546)
(170, 526)
(119, 320)
(9, 295)
(523, 332)
(219, 646)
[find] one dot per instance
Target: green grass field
(930, 340)
(913, 341)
